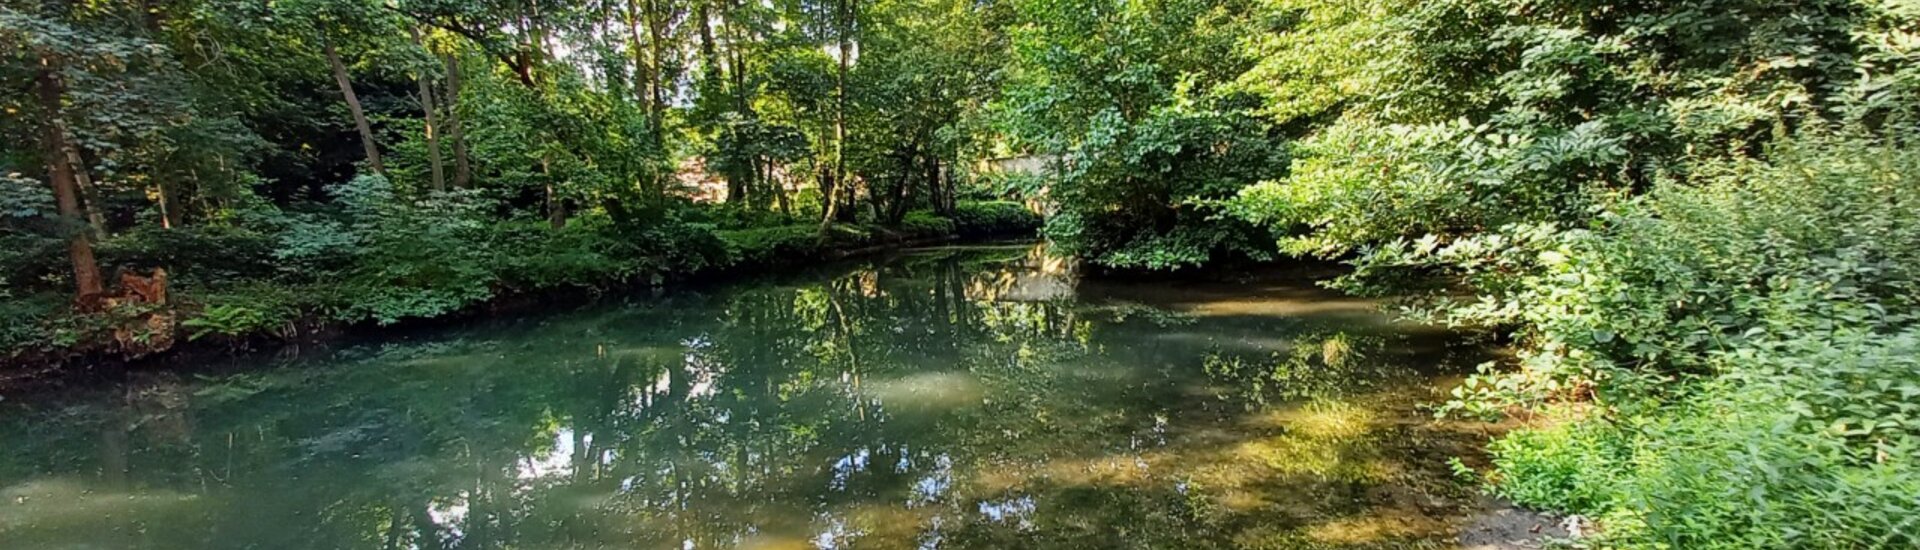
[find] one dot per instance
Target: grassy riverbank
(279, 276)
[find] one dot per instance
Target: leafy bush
(1751, 335)
(921, 224)
(678, 247)
(258, 307)
(1129, 101)
(1811, 444)
(28, 319)
(31, 250)
(417, 257)
(530, 254)
(1744, 248)
(994, 218)
(1566, 467)
(1358, 183)
(1133, 198)
(196, 253)
(310, 245)
(734, 216)
(28, 259)
(765, 245)
(226, 320)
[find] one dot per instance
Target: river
(962, 397)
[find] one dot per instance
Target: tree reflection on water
(952, 398)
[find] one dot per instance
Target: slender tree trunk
(434, 161)
(844, 14)
(353, 105)
(736, 60)
(779, 191)
(936, 193)
(656, 56)
(64, 176)
(737, 184)
(705, 27)
(163, 198)
(642, 63)
(949, 194)
(462, 164)
(89, 195)
(823, 177)
(432, 122)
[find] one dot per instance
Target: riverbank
(206, 316)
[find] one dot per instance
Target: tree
(462, 162)
(64, 175)
(1132, 101)
(360, 124)
(46, 46)
(846, 20)
(432, 124)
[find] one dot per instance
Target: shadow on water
(978, 397)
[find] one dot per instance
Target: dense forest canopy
(1694, 221)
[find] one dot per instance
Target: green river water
(967, 397)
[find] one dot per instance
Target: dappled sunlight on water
(981, 397)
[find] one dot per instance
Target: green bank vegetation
(1695, 222)
(316, 163)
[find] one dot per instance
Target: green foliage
(1566, 467)
(1682, 213)
(1746, 248)
(921, 223)
(994, 218)
(203, 253)
(32, 322)
(1781, 289)
(1127, 99)
(528, 254)
(416, 258)
(226, 320)
(765, 245)
(1775, 456)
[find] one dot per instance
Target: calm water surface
(955, 398)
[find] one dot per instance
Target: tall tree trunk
(434, 162)
(936, 193)
(737, 183)
(353, 105)
(462, 164)
(64, 175)
(779, 187)
(163, 198)
(432, 122)
(705, 27)
(643, 78)
(948, 194)
(823, 177)
(89, 195)
(736, 60)
(656, 48)
(844, 14)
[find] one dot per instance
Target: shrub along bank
(382, 259)
(1695, 221)
(1744, 355)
